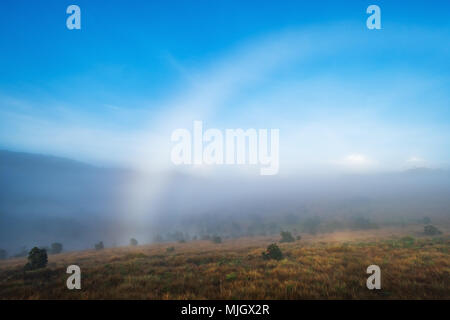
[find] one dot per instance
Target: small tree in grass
(133, 242)
(272, 252)
(286, 236)
(99, 246)
(3, 254)
(37, 258)
(216, 239)
(431, 230)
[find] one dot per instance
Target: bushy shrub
(3, 254)
(286, 236)
(431, 230)
(133, 242)
(299, 238)
(216, 239)
(170, 249)
(37, 258)
(56, 248)
(272, 252)
(99, 246)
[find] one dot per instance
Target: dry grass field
(327, 266)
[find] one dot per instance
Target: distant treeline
(289, 226)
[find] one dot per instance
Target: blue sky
(341, 95)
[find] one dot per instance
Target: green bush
(133, 242)
(286, 236)
(431, 230)
(170, 249)
(56, 248)
(37, 258)
(272, 252)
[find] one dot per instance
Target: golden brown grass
(330, 266)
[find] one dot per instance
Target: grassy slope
(328, 266)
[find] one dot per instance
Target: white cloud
(356, 159)
(416, 161)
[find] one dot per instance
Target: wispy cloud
(283, 80)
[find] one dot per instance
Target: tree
(272, 252)
(3, 254)
(56, 248)
(216, 239)
(99, 246)
(37, 258)
(286, 236)
(431, 230)
(133, 242)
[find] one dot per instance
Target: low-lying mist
(46, 199)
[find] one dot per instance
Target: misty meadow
(213, 242)
(224, 150)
